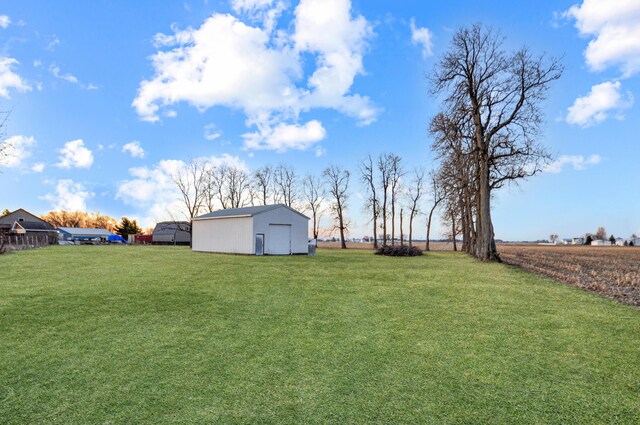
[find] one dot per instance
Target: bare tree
(237, 186)
(6, 148)
(285, 181)
(396, 174)
(210, 190)
(217, 179)
(437, 196)
(415, 193)
(601, 233)
(384, 167)
(338, 183)
(501, 93)
(457, 173)
(263, 182)
(367, 175)
(191, 182)
(314, 193)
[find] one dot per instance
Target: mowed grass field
(140, 334)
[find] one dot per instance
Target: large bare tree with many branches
(337, 179)
(501, 92)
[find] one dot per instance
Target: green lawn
(117, 334)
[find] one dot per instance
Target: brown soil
(611, 271)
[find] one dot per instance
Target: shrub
(399, 251)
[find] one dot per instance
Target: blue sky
(108, 97)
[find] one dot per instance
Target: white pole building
(268, 229)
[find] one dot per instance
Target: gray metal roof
(246, 211)
(171, 227)
(35, 225)
(81, 231)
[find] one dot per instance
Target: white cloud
(250, 5)
(283, 136)
(9, 79)
(152, 190)
(578, 162)
(75, 154)
(422, 37)
(226, 62)
(134, 149)
(55, 71)
(596, 106)
(211, 132)
(326, 28)
(216, 65)
(5, 21)
(53, 43)
(69, 196)
(615, 28)
(265, 11)
(38, 167)
(15, 150)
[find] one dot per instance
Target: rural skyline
(107, 99)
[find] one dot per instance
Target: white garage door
(279, 239)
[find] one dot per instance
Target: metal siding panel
(278, 239)
(182, 236)
(299, 227)
(227, 235)
(162, 238)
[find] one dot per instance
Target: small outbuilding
(263, 230)
(172, 233)
(82, 234)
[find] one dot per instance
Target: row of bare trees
(205, 187)
(487, 134)
(393, 194)
(390, 187)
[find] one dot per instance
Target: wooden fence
(19, 242)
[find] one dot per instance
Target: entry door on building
(259, 244)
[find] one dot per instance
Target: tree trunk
(401, 234)
(426, 248)
(393, 221)
(343, 244)
(411, 228)
(315, 225)
(375, 226)
(384, 220)
(486, 249)
(453, 231)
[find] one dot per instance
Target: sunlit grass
(117, 334)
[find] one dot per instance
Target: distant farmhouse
(172, 233)
(268, 229)
(22, 222)
(600, 242)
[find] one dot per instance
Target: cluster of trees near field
(392, 191)
(485, 137)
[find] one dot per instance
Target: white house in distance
(268, 229)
